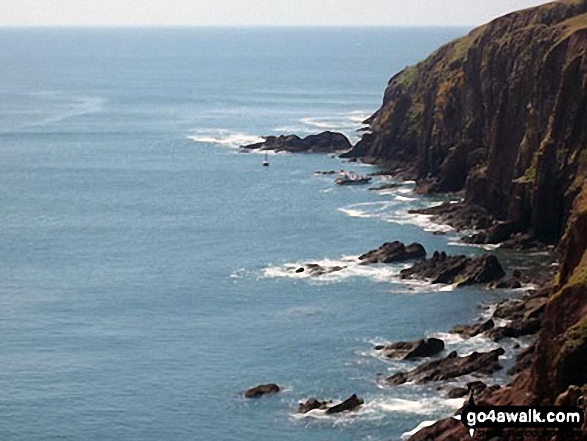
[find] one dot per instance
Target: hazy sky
(255, 12)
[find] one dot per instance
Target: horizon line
(231, 26)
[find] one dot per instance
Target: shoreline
(487, 311)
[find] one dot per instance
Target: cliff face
(500, 113)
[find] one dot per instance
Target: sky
(255, 12)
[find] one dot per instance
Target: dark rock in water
(461, 270)
(315, 270)
(476, 387)
(522, 242)
(459, 216)
(264, 389)
(509, 309)
(497, 233)
(510, 283)
(350, 404)
(384, 187)
(473, 330)
(458, 392)
(330, 172)
(392, 252)
(313, 404)
(325, 142)
(450, 367)
(516, 329)
(414, 349)
(379, 347)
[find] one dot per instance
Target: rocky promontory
(325, 142)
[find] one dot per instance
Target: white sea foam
(394, 212)
(225, 138)
(404, 199)
(351, 268)
(460, 243)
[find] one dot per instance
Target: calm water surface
(144, 277)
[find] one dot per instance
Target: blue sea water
(145, 264)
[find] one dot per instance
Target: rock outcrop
(413, 349)
(460, 270)
(350, 404)
(325, 142)
(316, 270)
(264, 389)
(313, 404)
(392, 252)
(450, 367)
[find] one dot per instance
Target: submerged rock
(384, 187)
(392, 252)
(414, 349)
(462, 270)
(315, 270)
(264, 389)
(325, 142)
(450, 367)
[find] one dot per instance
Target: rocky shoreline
(513, 318)
(499, 118)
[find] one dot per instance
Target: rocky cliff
(501, 115)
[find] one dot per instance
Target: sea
(147, 266)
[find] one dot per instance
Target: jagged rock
(315, 270)
(476, 387)
(473, 330)
(461, 270)
(509, 309)
(414, 349)
(459, 216)
(392, 252)
(264, 389)
(450, 367)
(497, 233)
(313, 404)
(348, 405)
(458, 392)
(325, 142)
(515, 329)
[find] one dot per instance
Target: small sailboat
(266, 161)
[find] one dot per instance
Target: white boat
(266, 161)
